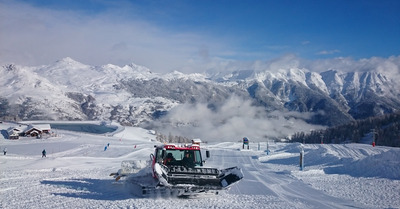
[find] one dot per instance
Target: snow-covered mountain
(133, 95)
(335, 96)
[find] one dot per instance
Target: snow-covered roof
(14, 130)
(40, 126)
(196, 141)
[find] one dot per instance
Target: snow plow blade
(210, 178)
(179, 181)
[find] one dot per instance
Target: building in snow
(36, 130)
(14, 132)
(32, 130)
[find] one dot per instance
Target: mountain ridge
(133, 95)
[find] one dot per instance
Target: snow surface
(75, 174)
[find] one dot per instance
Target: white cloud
(233, 120)
(328, 52)
(35, 36)
(390, 66)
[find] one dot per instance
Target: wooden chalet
(14, 132)
(37, 130)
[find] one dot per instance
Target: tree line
(385, 129)
(172, 138)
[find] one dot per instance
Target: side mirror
(208, 154)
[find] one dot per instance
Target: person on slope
(44, 153)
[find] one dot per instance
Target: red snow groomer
(179, 170)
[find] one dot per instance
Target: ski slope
(75, 174)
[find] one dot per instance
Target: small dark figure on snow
(5, 150)
(44, 153)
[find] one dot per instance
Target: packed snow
(75, 173)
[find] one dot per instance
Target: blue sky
(180, 34)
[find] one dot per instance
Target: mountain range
(134, 95)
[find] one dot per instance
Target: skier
(5, 150)
(44, 153)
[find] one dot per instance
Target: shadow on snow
(96, 189)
